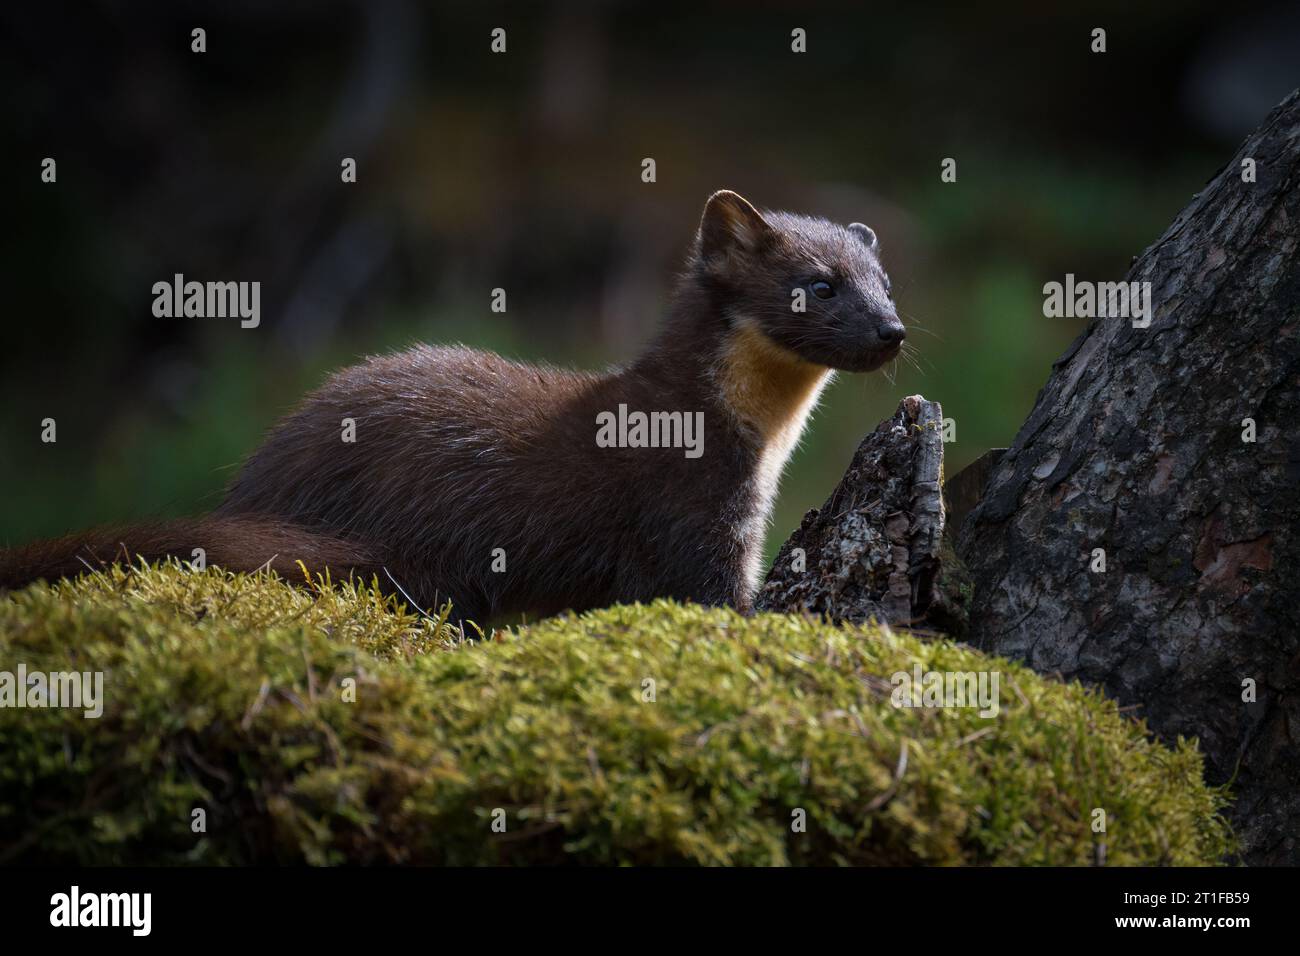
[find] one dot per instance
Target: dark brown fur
(234, 543)
(460, 452)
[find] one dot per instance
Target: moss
(228, 694)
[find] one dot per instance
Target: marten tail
(245, 543)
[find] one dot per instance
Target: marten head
(812, 287)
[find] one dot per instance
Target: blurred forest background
(523, 171)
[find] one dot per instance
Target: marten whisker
(915, 357)
(916, 354)
(415, 604)
(913, 324)
(920, 328)
(911, 361)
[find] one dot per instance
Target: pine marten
(482, 480)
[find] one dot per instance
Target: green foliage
(227, 693)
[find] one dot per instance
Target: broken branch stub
(873, 549)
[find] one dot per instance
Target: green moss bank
(335, 728)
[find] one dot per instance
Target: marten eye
(822, 289)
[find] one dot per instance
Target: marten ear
(866, 234)
(730, 221)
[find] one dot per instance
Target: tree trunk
(1137, 453)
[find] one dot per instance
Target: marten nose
(892, 332)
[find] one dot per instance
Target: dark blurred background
(522, 171)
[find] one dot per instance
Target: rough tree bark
(1135, 446)
(873, 550)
